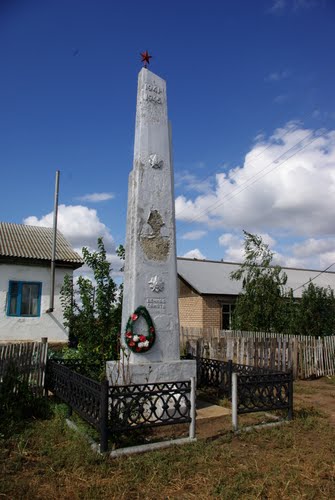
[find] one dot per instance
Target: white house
(25, 279)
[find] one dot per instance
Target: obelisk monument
(150, 322)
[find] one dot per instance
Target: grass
(48, 460)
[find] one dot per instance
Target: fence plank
(29, 359)
(307, 356)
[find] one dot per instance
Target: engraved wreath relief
(156, 284)
(155, 161)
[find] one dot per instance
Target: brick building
(207, 295)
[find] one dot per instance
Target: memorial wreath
(140, 343)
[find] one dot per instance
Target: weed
(330, 380)
(48, 460)
(18, 403)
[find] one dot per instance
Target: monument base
(121, 373)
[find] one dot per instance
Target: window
(24, 298)
(227, 311)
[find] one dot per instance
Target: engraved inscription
(152, 93)
(153, 303)
(152, 88)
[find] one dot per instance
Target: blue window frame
(24, 298)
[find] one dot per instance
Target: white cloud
(282, 6)
(233, 247)
(278, 6)
(286, 184)
(277, 75)
(280, 99)
(96, 197)
(194, 254)
(193, 235)
(190, 182)
(305, 4)
(80, 225)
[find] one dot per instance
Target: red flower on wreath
(140, 342)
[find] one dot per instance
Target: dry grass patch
(296, 460)
(293, 461)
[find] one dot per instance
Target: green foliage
(18, 402)
(260, 305)
(92, 312)
(264, 305)
(317, 311)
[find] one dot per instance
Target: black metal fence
(265, 392)
(216, 374)
(119, 409)
(85, 396)
(149, 405)
(258, 389)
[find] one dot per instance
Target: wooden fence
(307, 356)
(29, 359)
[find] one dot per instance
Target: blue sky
(251, 101)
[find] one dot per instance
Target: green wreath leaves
(140, 343)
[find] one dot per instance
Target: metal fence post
(193, 411)
(198, 369)
(290, 397)
(43, 366)
(104, 416)
(234, 402)
(230, 374)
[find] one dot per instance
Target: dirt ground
(48, 460)
(319, 393)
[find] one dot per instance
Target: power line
(321, 272)
(247, 162)
(238, 190)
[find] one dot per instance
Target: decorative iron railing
(120, 409)
(216, 374)
(85, 396)
(265, 392)
(89, 370)
(149, 405)
(123, 408)
(258, 389)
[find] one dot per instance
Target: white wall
(47, 324)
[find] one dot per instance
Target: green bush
(18, 403)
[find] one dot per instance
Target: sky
(251, 100)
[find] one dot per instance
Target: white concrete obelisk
(150, 268)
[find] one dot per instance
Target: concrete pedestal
(122, 373)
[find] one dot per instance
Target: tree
(317, 311)
(92, 310)
(260, 306)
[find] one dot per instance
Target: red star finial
(145, 58)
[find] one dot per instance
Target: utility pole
(54, 246)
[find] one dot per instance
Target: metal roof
(213, 277)
(34, 242)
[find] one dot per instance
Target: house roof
(213, 277)
(19, 241)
